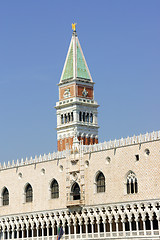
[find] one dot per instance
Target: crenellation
(112, 144)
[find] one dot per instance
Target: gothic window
(5, 197)
(80, 116)
(54, 189)
(29, 193)
(75, 191)
(91, 118)
(132, 184)
(100, 182)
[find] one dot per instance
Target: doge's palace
(92, 190)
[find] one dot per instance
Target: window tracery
(54, 189)
(5, 197)
(29, 193)
(132, 184)
(100, 182)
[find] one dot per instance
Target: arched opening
(133, 223)
(80, 116)
(87, 117)
(54, 189)
(29, 193)
(62, 119)
(101, 225)
(131, 183)
(72, 116)
(100, 182)
(5, 197)
(140, 222)
(155, 222)
(126, 223)
(91, 118)
(75, 191)
(84, 116)
(120, 225)
(147, 222)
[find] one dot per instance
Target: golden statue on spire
(74, 26)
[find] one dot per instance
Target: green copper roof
(81, 67)
(75, 64)
(68, 72)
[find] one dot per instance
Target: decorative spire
(75, 66)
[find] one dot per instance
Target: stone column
(75, 116)
(69, 230)
(144, 225)
(3, 232)
(151, 225)
(104, 226)
(22, 233)
(137, 229)
(42, 226)
(27, 229)
(98, 226)
(117, 230)
(130, 227)
(37, 226)
(12, 232)
(75, 234)
(123, 225)
(80, 230)
(63, 226)
(86, 224)
(92, 226)
(32, 232)
(17, 233)
(47, 231)
(110, 227)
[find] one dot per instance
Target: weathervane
(74, 26)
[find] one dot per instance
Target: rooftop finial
(74, 27)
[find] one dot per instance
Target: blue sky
(120, 41)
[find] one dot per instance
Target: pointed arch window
(132, 184)
(29, 193)
(100, 182)
(75, 192)
(54, 189)
(5, 197)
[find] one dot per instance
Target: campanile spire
(76, 108)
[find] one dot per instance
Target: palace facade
(108, 190)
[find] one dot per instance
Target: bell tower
(76, 108)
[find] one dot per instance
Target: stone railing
(85, 149)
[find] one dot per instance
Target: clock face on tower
(84, 93)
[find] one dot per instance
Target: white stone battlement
(85, 149)
(122, 142)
